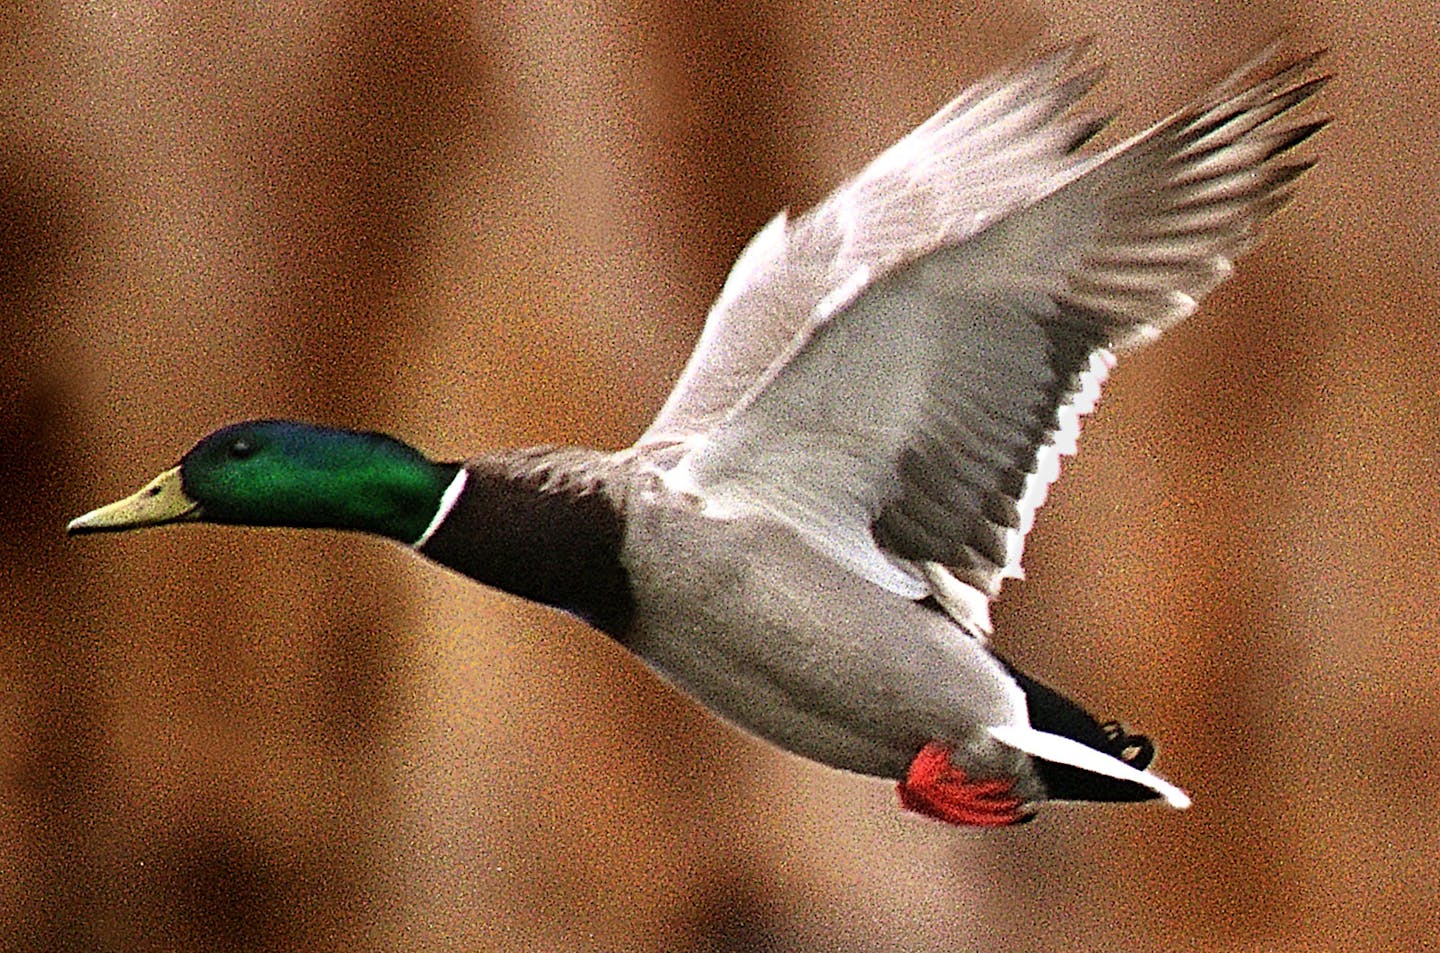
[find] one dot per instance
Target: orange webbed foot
(933, 786)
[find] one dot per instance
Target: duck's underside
(780, 640)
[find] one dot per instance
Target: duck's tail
(1080, 759)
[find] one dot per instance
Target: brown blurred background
(496, 225)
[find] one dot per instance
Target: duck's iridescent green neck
(281, 473)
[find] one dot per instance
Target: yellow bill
(162, 500)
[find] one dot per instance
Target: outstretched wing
(911, 422)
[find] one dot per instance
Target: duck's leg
(933, 786)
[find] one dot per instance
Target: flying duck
(808, 537)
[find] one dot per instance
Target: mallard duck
(808, 537)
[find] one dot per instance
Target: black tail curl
(1052, 712)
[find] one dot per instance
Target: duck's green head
(282, 473)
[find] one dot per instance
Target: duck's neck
(539, 525)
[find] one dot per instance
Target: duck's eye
(241, 449)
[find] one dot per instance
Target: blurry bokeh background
(485, 225)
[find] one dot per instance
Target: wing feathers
(897, 373)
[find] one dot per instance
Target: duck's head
(282, 473)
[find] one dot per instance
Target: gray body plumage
(764, 629)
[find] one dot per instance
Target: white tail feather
(1061, 750)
